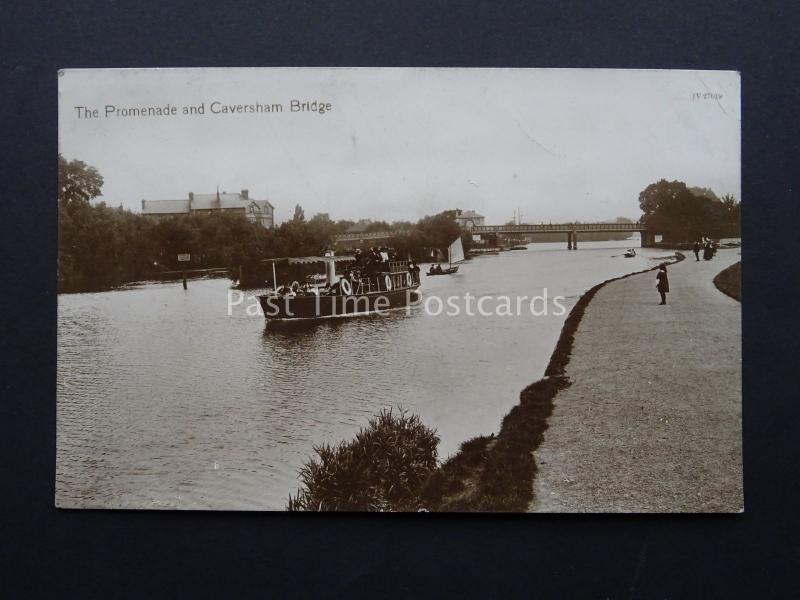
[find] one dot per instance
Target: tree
(440, 229)
(78, 183)
(299, 215)
(701, 191)
(672, 209)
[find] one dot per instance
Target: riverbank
(651, 420)
(496, 473)
(729, 281)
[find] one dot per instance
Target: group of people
(369, 266)
(373, 260)
(709, 248)
(435, 269)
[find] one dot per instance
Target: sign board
(184, 257)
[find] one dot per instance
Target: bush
(383, 469)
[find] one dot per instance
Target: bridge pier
(648, 239)
(572, 240)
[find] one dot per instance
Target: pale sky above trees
(560, 145)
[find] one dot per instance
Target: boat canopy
(308, 260)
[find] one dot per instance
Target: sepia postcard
(399, 289)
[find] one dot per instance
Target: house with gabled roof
(469, 219)
(258, 211)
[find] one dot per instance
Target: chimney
(191, 199)
(245, 194)
(142, 204)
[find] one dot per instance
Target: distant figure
(696, 249)
(663, 283)
(708, 251)
(438, 268)
(413, 270)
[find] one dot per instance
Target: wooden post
(574, 240)
(569, 240)
(184, 258)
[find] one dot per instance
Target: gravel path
(652, 420)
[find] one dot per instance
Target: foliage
(383, 469)
(78, 183)
(683, 214)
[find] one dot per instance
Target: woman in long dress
(662, 284)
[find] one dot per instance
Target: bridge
(570, 229)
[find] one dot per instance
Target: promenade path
(652, 420)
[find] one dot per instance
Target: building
(469, 219)
(258, 211)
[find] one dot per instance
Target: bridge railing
(557, 227)
(354, 237)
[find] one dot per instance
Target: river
(165, 400)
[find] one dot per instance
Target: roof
(306, 260)
(165, 207)
(359, 227)
(200, 202)
(209, 201)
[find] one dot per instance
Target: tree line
(101, 247)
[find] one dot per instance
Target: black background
(44, 551)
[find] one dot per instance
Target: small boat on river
(360, 291)
(455, 253)
(629, 253)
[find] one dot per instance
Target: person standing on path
(662, 284)
(696, 249)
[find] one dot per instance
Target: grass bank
(729, 281)
(495, 473)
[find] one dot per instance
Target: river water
(165, 400)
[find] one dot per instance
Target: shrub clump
(384, 468)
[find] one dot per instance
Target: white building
(469, 219)
(258, 211)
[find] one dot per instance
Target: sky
(556, 145)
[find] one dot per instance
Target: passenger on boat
(286, 291)
(413, 268)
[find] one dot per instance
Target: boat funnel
(330, 272)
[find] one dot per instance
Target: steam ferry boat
(385, 286)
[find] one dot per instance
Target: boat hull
(327, 307)
(449, 271)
